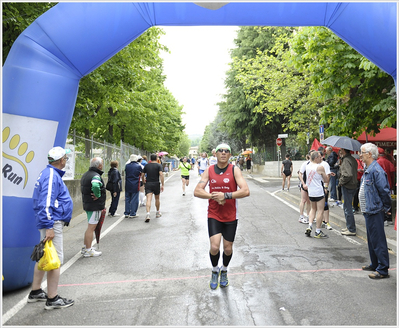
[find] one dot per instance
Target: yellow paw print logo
(14, 142)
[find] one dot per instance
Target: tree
(17, 16)
(125, 99)
(215, 134)
(242, 114)
(356, 94)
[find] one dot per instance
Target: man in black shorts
(152, 185)
(226, 184)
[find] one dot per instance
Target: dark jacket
(348, 172)
(89, 204)
(332, 159)
(114, 177)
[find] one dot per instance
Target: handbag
(50, 260)
(109, 186)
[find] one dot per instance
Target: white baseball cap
(56, 153)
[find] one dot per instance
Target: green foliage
(354, 91)
(17, 16)
(245, 116)
(215, 134)
(125, 99)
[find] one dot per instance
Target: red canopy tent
(386, 138)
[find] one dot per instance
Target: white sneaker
(91, 253)
(304, 220)
(158, 214)
(184, 193)
(329, 227)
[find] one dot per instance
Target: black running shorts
(152, 188)
(287, 173)
(227, 229)
(316, 199)
(187, 177)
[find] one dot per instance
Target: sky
(196, 68)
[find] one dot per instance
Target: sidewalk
(337, 217)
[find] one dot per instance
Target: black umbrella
(97, 231)
(343, 142)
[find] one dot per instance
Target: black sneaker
(41, 297)
(59, 303)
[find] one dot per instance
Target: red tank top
(224, 182)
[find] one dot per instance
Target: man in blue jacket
(375, 201)
(53, 206)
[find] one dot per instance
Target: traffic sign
(279, 142)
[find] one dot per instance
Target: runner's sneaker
(304, 220)
(58, 303)
(184, 193)
(133, 216)
(40, 297)
(323, 224)
(158, 215)
(308, 231)
(224, 281)
(214, 283)
(328, 226)
(83, 250)
(320, 235)
(91, 253)
(147, 218)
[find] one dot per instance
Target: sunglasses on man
(223, 151)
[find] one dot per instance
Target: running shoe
(147, 218)
(304, 220)
(40, 297)
(224, 281)
(184, 193)
(308, 231)
(158, 215)
(214, 283)
(133, 216)
(320, 235)
(328, 226)
(91, 253)
(59, 303)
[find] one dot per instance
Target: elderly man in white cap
(53, 206)
(226, 184)
(132, 186)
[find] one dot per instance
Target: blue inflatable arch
(42, 72)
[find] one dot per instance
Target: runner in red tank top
(223, 179)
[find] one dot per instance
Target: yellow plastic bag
(49, 261)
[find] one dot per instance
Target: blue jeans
(333, 185)
(131, 203)
(347, 195)
(377, 242)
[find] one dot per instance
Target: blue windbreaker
(51, 198)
